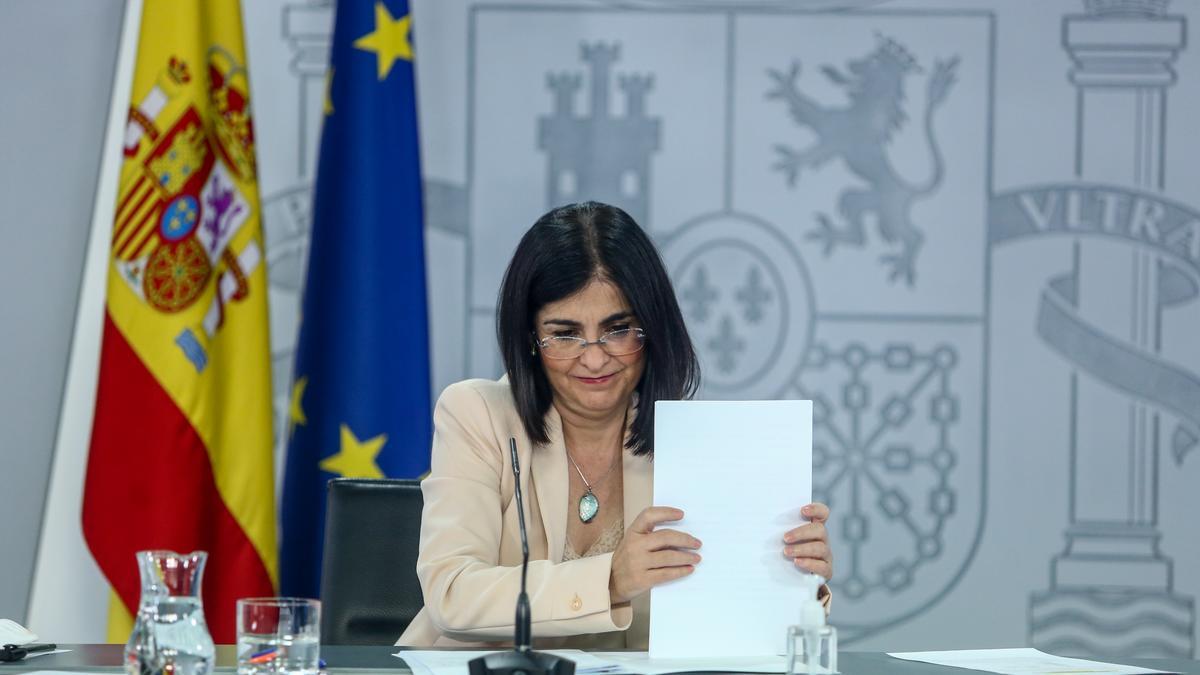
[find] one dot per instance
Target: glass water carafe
(169, 635)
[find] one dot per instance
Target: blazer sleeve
(468, 594)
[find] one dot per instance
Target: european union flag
(360, 398)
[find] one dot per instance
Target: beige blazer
(470, 558)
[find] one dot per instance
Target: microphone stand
(522, 660)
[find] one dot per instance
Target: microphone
(523, 627)
(522, 660)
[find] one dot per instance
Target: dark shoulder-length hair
(557, 257)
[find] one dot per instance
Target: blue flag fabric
(360, 396)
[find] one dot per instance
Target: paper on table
(13, 633)
(740, 470)
(425, 662)
(45, 653)
(1021, 661)
(600, 663)
(640, 662)
(64, 671)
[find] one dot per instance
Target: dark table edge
(378, 658)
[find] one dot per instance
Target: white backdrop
(957, 226)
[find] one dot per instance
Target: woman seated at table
(591, 336)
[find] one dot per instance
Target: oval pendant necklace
(589, 505)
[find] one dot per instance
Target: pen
(18, 652)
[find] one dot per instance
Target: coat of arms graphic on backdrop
(841, 223)
(813, 256)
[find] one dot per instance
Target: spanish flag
(181, 448)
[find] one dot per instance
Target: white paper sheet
(13, 633)
(640, 662)
(600, 663)
(37, 654)
(60, 672)
(1022, 661)
(427, 662)
(740, 470)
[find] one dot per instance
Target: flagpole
(69, 593)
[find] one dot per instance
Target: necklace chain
(600, 480)
(589, 504)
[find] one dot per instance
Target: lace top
(607, 542)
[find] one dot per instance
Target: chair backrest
(369, 587)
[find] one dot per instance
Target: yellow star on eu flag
(389, 40)
(356, 459)
(328, 110)
(295, 408)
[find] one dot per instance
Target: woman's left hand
(808, 545)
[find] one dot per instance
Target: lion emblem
(859, 133)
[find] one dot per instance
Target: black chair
(369, 587)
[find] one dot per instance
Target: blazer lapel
(550, 481)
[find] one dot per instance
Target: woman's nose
(594, 356)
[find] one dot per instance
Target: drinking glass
(278, 636)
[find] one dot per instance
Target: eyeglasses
(614, 343)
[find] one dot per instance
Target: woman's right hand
(647, 557)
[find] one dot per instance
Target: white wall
(56, 67)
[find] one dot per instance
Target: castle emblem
(599, 156)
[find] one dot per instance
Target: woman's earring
(533, 350)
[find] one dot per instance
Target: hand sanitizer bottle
(812, 643)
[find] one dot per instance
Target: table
(349, 660)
